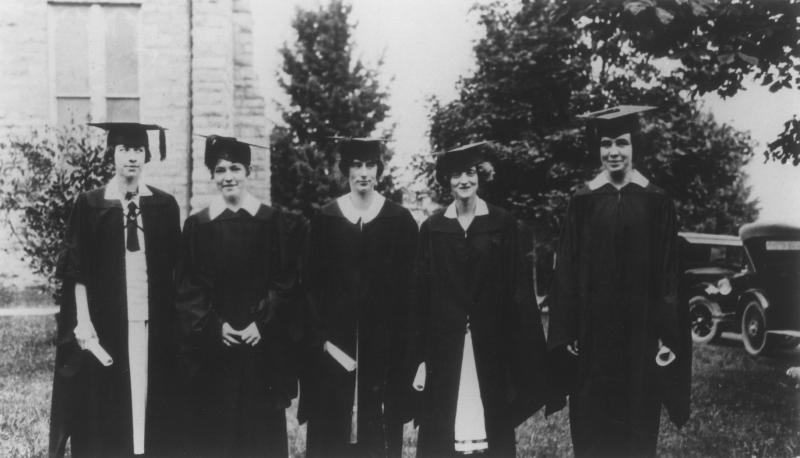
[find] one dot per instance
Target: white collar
(353, 214)
(112, 190)
(602, 179)
(249, 203)
(481, 209)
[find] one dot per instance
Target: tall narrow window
(122, 63)
(95, 61)
(71, 61)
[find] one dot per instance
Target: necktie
(131, 226)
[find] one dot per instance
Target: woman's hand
(665, 356)
(250, 335)
(573, 348)
(230, 336)
(84, 333)
(84, 330)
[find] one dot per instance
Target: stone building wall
(225, 91)
(195, 76)
(249, 105)
(23, 64)
(214, 49)
(164, 90)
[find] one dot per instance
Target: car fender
(699, 290)
(756, 294)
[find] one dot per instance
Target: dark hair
(485, 171)
(345, 164)
(108, 156)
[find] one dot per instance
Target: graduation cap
(132, 134)
(364, 149)
(361, 149)
(228, 148)
(459, 159)
(613, 122)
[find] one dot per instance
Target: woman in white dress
(477, 339)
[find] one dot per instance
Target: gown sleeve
(526, 345)
(315, 332)
(401, 372)
(419, 308)
(70, 270)
(276, 315)
(564, 310)
(667, 296)
(68, 354)
(674, 323)
(70, 264)
(564, 293)
(174, 234)
(197, 318)
(417, 323)
(405, 277)
(172, 247)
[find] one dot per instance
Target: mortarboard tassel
(162, 144)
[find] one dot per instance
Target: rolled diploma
(348, 363)
(99, 352)
(419, 379)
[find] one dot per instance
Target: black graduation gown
(616, 293)
(359, 281)
(232, 270)
(91, 403)
(477, 277)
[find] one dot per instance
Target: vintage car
(762, 302)
(705, 260)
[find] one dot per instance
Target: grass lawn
(742, 406)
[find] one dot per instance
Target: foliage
(41, 174)
(533, 75)
(718, 44)
(699, 163)
(331, 94)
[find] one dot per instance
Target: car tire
(754, 327)
(705, 328)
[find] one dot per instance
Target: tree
(533, 74)
(331, 94)
(41, 174)
(718, 44)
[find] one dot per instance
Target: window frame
(96, 59)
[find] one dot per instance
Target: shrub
(41, 174)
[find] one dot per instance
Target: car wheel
(701, 314)
(754, 328)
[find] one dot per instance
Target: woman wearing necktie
(113, 364)
(477, 346)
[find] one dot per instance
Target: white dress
(470, 422)
(138, 315)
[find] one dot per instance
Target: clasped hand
(572, 348)
(249, 335)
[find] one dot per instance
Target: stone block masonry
(195, 75)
